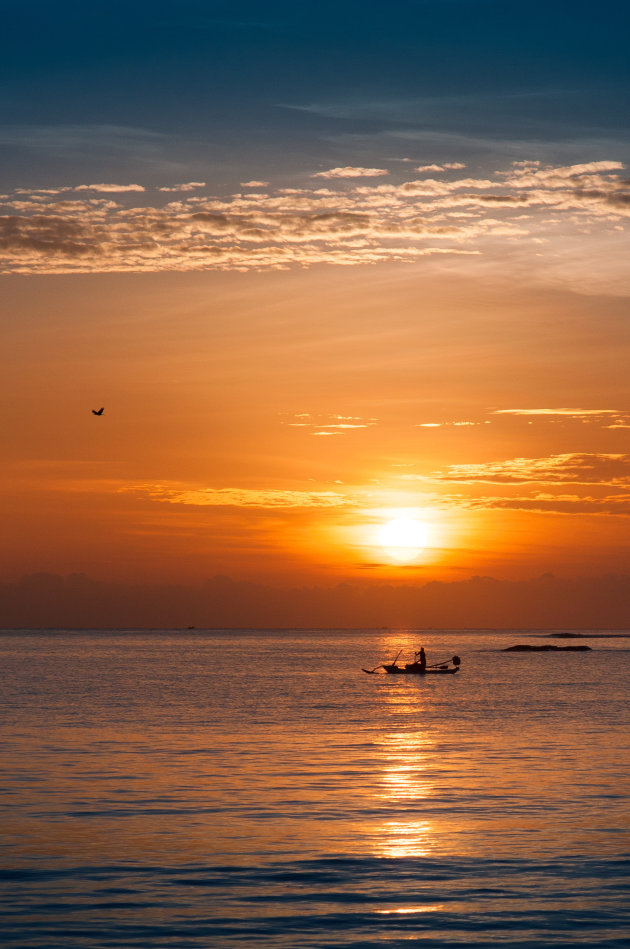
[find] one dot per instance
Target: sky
(350, 282)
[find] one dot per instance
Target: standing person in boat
(421, 659)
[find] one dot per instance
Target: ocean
(238, 788)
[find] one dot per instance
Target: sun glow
(403, 538)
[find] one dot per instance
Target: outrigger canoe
(415, 669)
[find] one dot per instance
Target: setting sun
(403, 537)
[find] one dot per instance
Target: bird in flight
(98, 412)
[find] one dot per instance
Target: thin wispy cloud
(572, 504)
(465, 424)
(116, 138)
(110, 188)
(349, 171)
(186, 186)
(605, 418)
(330, 425)
(571, 413)
(448, 166)
(265, 498)
(102, 188)
(578, 468)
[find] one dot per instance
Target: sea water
(256, 788)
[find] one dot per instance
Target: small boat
(415, 668)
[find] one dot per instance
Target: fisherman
(421, 659)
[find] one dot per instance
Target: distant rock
(546, 648)
(567, 635)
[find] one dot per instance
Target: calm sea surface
(255, 788)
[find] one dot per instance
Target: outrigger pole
(455, 660)
(382, 665)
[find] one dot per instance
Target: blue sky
(163, 91)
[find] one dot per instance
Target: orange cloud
(449, 424)
(554, 504)
(237, 497)
(572, 413)
(578, 468)
(333, 425)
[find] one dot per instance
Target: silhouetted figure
(99, 412)
(421, 659)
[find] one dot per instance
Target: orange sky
(265, 425)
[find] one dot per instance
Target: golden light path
(406, 787)
(404, 784)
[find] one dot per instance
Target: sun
(402, 538)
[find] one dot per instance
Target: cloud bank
(78, 601)
(578, 483)
(96, 228)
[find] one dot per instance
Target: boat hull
(411, 671)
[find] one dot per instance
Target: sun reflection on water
(404, 786)
(410, 910)
(403, 776)
(409, 838)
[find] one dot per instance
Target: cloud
(586, 602)
(365, 223)
(572, 413)
(584, 468)
(46, 235)
(187, 186)
(254, 184)
(606, 418)
(528, 173)
(331, 425)
(237, 497)
(40, 191)
(351, 172)
(448, 166)
(572, 504)
(449, 424)
(109, 188)
(116, 138)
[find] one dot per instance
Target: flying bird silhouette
(100, 411)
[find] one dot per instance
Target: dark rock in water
(546, 648)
